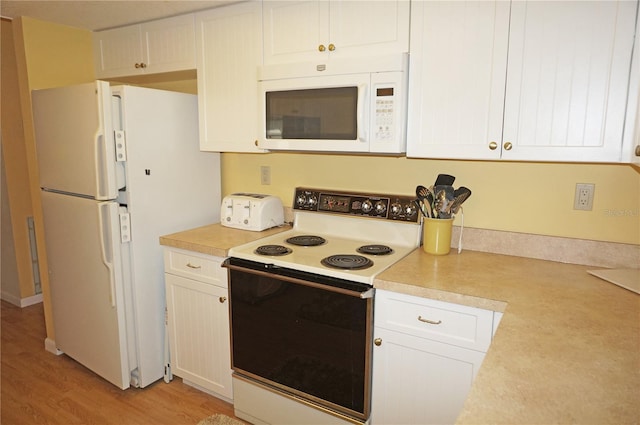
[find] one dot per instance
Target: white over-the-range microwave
(341, 105)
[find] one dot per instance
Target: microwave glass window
(325, 114)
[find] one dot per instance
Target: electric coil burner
(301, 306)
(306, 240)
(375, 249)
(273, 250)
(347, 261)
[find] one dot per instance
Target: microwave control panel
(384, 116)
(387, 126)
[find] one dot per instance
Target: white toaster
(251, 211)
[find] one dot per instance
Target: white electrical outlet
(584, 196)
(265, 174)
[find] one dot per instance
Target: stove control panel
(389, 207)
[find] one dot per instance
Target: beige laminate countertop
(215, 239)
(567, 349)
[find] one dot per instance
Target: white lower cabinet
(426, 354)
(198, 320)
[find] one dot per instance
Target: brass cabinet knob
(508, 146)
(377, 342)
(141, 65)
(321, 48)
(255, 142)
(137, 65)
(222, 299)
(638, 150)
(493, 146)
(332, 47)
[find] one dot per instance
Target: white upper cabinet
(631, 141)
(567, 81)
(634, 147)
(301, 31)
(537, 81)
(229, 45)
(163, 45)
(457, 68)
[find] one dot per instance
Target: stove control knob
(301, 199)
(367, 206)
(381, 207)
(410, 210)
(312, 201)
(396, 209)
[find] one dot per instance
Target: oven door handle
(364, 295)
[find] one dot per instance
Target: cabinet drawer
(201, 267)
(454, 324)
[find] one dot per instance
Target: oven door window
(320, 114)
(304, 339)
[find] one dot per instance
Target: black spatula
(444, 180)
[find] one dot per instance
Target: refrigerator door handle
(102, 190)
(106, 247)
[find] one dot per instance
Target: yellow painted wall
(16, 171)
(47, 55)
(512, 196)
(56, 55)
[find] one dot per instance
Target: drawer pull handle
(191, 266)
(222, 299)
(431, 322)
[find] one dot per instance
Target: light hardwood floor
(38, 387)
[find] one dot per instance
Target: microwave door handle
(362, 102)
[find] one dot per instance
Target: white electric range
(344, 235)
(301, 307)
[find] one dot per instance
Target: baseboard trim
(34, 299)
(21, 302)
(50, 346)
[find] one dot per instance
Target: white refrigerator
(118, 167)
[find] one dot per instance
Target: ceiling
(97, 15)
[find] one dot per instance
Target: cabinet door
(304, 31)
(295, 30)
(169, 44)
(456, 85)
(368, 28)
(419, 381)
(198, 322)
(229, 52)
(635, 147)
(117, 52)
(568, 79)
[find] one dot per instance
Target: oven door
(303, 334)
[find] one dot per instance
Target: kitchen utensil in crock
(444, 180)
(460, 195)
(421, 207)
(444, 198)
(423, 196)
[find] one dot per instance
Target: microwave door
(316, 114)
